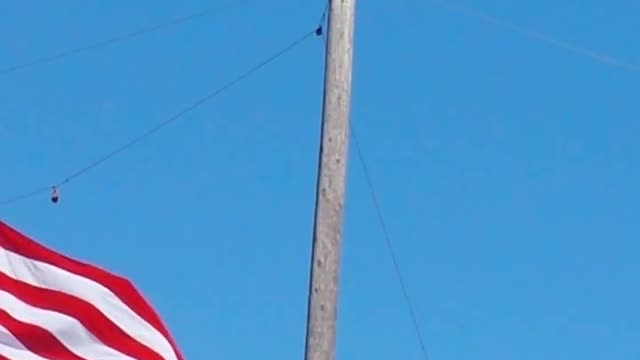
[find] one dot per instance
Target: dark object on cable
(55, 195)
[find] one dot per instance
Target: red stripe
(36, 339)
(5, 358)
(18, 243)
(87, 314)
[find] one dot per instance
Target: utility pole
(327, 232)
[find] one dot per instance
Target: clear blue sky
(506, 167)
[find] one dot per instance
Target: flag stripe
(67, 330)
(56, 279)
(13, 349)
(38, 341)
(115, 297)
(121, 287)
(88, 315)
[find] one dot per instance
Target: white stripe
(47, 276)
(68, 330)
(11, 348)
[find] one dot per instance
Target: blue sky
(504, 165)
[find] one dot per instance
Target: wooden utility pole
(327, 233)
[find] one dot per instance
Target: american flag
(57, 308)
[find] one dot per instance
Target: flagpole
(330, 192)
